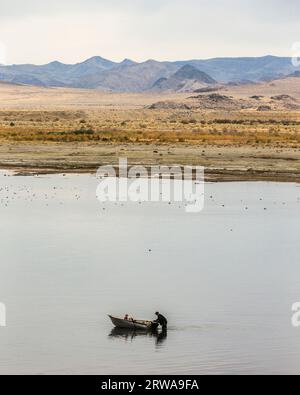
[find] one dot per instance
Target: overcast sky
(37, 31)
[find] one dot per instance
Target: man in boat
(127, 318)
(161, 320)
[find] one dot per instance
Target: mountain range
(130, 76)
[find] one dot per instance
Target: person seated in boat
(127, 318)
(161, 320)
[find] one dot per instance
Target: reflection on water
(225, 279)
(129, 335)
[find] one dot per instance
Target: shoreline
(221, 163)
(211, 175)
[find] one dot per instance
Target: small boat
(141, 325)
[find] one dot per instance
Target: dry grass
(145, 126)
(32, 114)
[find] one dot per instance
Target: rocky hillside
(186, 79)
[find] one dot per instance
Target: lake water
(226, 279)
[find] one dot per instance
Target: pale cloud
(70, 31)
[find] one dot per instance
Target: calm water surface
(226, 278)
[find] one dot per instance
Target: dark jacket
(162, 320)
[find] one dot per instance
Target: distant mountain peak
(189, 72)
(127, 62)
(187, 79)
(97, 60)
(55, 65)
(151, 61)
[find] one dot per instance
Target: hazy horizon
(72, 31)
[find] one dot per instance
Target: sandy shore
(221, 163)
